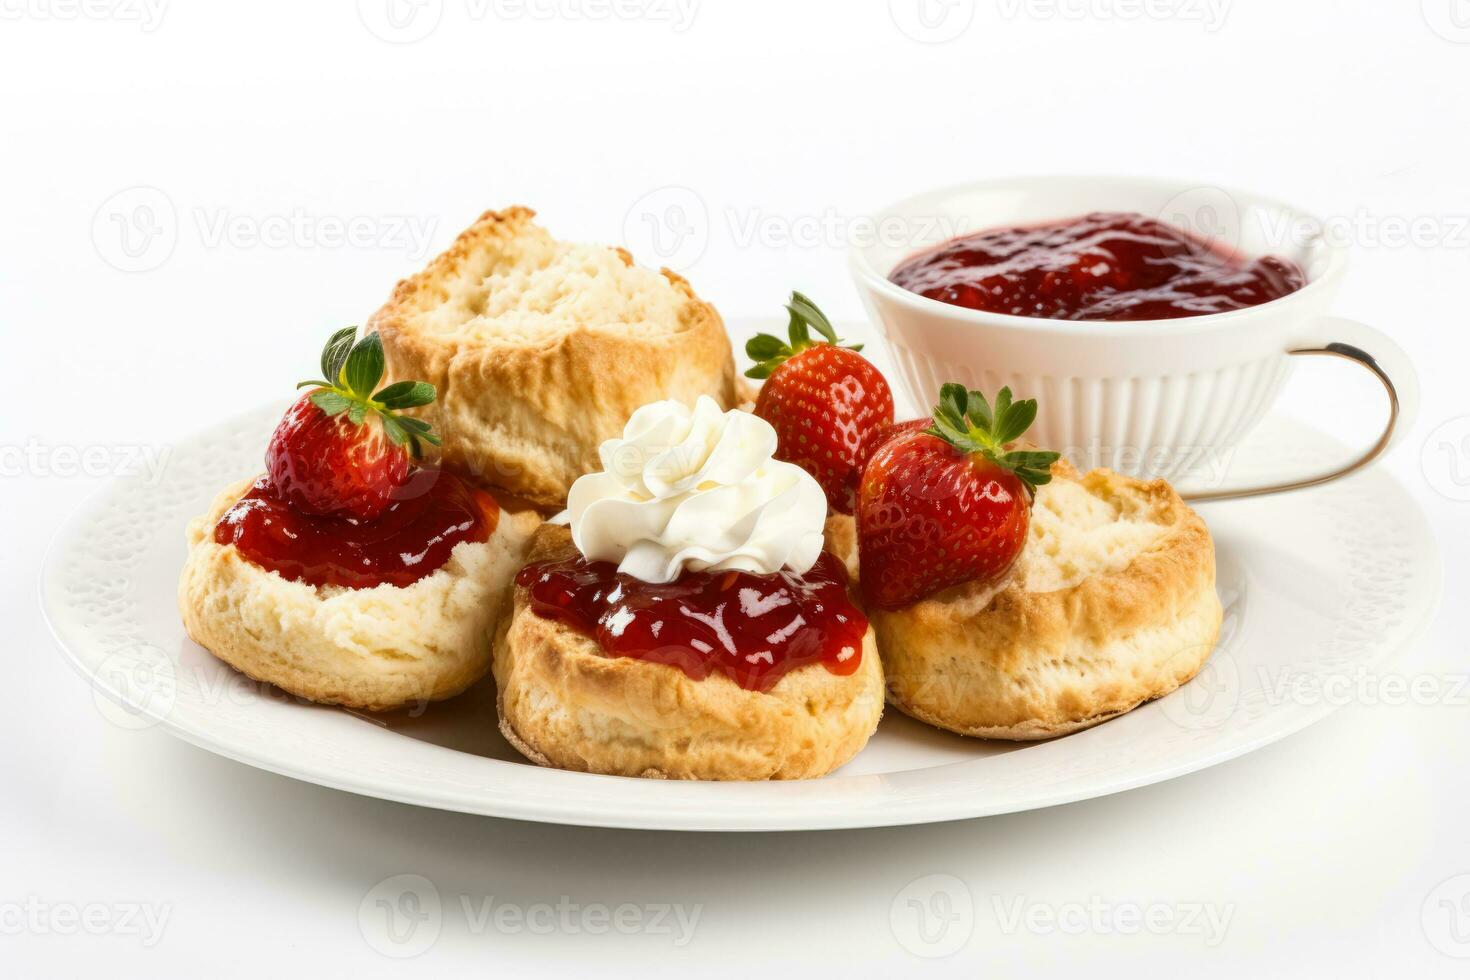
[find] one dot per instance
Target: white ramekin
(1166, 398)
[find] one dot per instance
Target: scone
(687, 622)
(1112, 603)
(372, 648)
(541, 349)
(348, 573)
(564, 702)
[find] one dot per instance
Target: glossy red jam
(751, 628)
(1104, 266)
(430, 514)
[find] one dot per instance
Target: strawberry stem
(770, 352)
(966, 420)
(358, 366)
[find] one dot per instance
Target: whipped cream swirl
(696, 490)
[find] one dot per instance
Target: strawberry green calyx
(356, 367)
(770, 352)
(965, 420)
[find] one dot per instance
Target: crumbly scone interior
(531, 288)
(1082, 528)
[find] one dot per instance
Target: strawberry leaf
(953, 434)
(980, 410)
(966, 421)
(405, 394)
(1030, 460)
(1002, 408)
(952, 402)
(763, 347)
(1017, 420)
(807, 311)
(394, 430)
(334, 355)
(796, 329)
(762, 371)
(331, 401)
(364, 367)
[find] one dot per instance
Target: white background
(260, 130)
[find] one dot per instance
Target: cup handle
(1350, 341)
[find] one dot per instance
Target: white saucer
(1319, 587)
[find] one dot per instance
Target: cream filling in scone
(692, 511)
(372, 648)
(1111, 603)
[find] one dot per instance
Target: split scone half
(564, 702)
(373, 649)
(541, 349)
(1111, 603)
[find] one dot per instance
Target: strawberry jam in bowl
(1155, 321)
(411, 539)
(754, 629)
(1101, 266)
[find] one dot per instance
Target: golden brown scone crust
(1136, 616)
(840, 535)
(371, 649)
(565, 703)
(536, 368)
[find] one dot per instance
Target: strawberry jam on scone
(344, 501)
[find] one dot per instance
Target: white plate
(1317, 585)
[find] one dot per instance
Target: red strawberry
(824, 400)
(887, 432)
(947, 504)
(341, 449)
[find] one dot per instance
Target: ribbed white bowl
(1161, 398)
